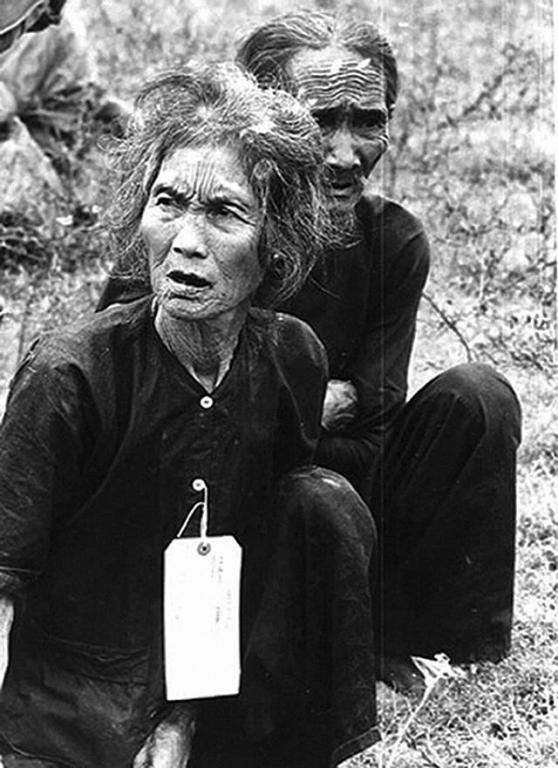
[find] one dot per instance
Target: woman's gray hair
(278, 144)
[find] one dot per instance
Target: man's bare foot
(401, 675)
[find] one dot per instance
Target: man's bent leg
(444, 497)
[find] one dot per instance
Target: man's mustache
(344, 178)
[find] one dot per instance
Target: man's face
(201, 227)
(347, 96)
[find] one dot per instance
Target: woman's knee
(322, 499)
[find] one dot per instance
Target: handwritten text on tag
(202, 617)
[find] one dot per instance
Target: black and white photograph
(278, 411)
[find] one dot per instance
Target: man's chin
(345, 223)
(345, 197)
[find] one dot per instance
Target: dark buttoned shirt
(362, 302)
(103, 436)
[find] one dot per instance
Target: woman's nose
(190, 240)
(340, 150)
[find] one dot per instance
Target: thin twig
(29, 295)
(410, 720)
(452, 325)
(105, 15)
(429, 754)
(433, 672)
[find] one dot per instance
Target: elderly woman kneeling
(121, 429)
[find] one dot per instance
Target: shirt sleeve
(42, 449)
(379, 370)
(300, 406)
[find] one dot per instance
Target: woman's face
(201, 227)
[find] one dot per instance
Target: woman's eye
(221, 211)
(164, 201)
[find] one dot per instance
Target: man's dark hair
(269, 49)
(279, 147)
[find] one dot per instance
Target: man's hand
(170, 744)
(6, 619)
(340, 405)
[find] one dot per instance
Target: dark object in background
(22, 244)
(20, 16)
(52, 113)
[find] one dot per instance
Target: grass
(501, 714)
(472, 156)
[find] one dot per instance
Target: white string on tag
(204, 546)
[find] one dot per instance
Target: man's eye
(370, 130)
(373, 123)
(326, 120)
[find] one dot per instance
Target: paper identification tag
(202, 617)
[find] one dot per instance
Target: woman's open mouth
(188, 281)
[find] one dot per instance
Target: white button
(206, 402)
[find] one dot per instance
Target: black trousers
(307, 695)
(443, 497)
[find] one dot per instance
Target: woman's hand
(340, 405)
(6, 619)
(170, 744)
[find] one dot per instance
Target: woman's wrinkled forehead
(329, 78)
(204, 171)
